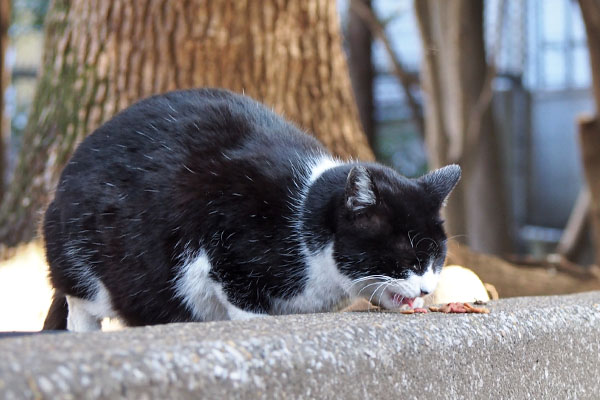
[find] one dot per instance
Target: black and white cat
(204, 205)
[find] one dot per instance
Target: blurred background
(507, 110)
(543, 82)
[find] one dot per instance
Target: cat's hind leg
(86, 315)
(80, 318)
(57, 313)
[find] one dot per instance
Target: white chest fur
(325, 286)
(203, 296)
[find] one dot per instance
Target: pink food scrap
(460, 308)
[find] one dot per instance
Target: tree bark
(589, 127)
(454, 81)
(4, 123)
(360, 42)
(590, 11)
(589, 140)
(100, 56)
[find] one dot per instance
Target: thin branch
(576, 226)
(406, 79)
(473, 133)
(4, 123)
(436, 134)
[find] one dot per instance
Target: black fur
(57, 313)
(211, 169)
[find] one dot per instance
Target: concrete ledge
(540, 347)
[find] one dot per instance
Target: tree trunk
(590, 11)
(4, 123)
(360, 42)
(589, 127)
(100, 56)
(589, 140)
(457, 128)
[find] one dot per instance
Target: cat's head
(389, 237)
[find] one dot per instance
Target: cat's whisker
(415, 238)
(399, 284)
(369, 285)
(426, 238)
(455, 236)
(372, 277)
(369, 277)
(382, 284)
(382, 292)
(365, 278)
(450, 253)
(380, 279)
(410, 240)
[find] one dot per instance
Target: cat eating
(203, 205)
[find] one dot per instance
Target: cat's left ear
(361, 192)
(441, 182)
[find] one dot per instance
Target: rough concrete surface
(538, 347)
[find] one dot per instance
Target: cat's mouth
(399, 300)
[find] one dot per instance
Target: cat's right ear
(361, 192)
(439, 183)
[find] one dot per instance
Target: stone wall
(541, 347)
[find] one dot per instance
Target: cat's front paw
(418, 303)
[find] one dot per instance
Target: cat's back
(192, 150)
(198, 122)
(203, 132)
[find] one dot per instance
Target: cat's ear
(361, 192)
(441, 182)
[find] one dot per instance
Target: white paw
(418, 303)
